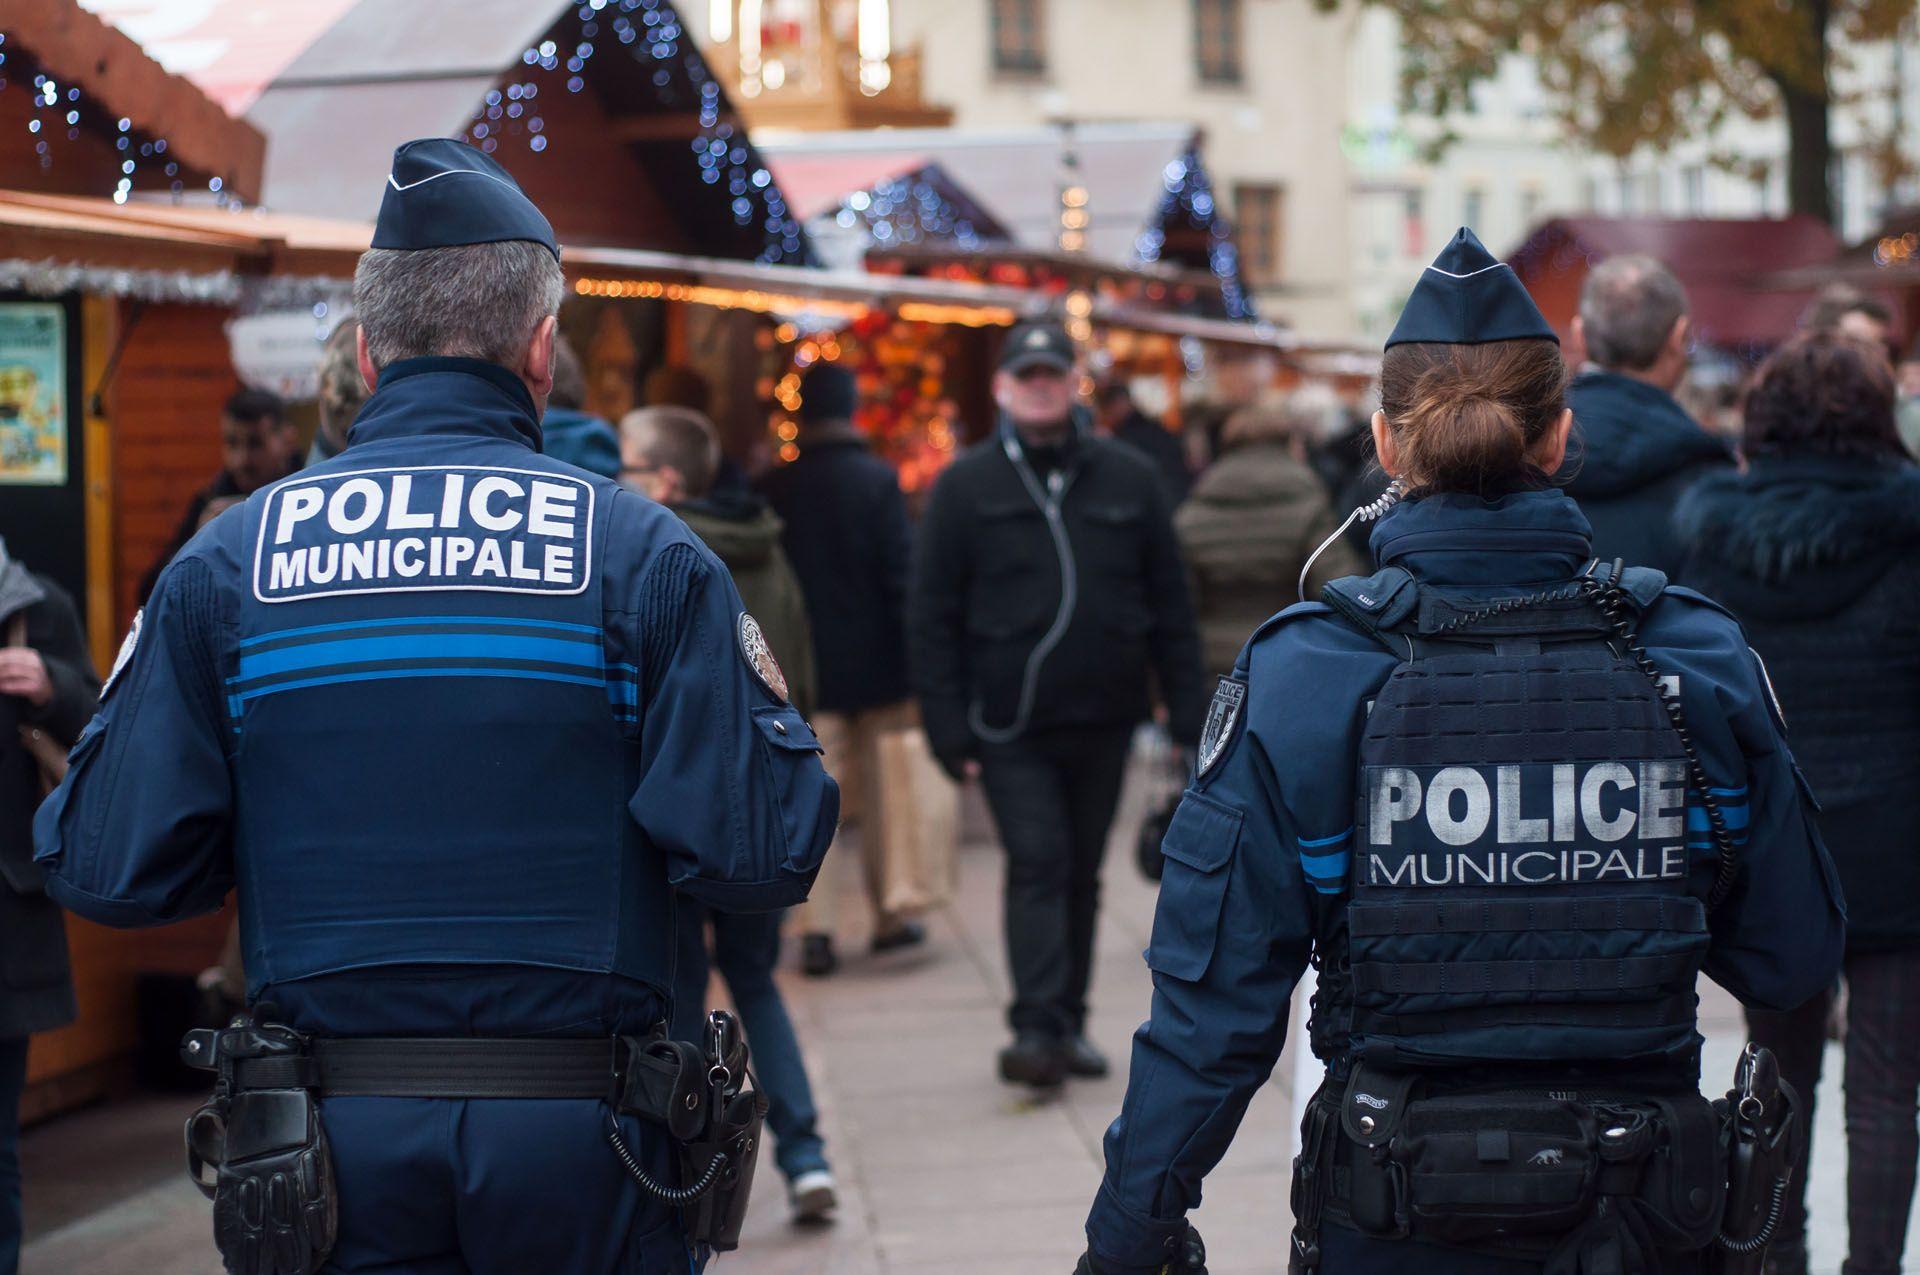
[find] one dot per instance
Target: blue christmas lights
(653, 36)
(909, 210)
(1187, 199)
(57, 111)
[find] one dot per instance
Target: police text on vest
(424, 529)
(1521, 825)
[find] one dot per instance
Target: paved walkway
(943, 1170)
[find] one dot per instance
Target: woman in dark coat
(46, 683)
(1816, 547)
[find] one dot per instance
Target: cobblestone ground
(942, 1169)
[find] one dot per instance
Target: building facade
(1511, 166)
(1262, 82)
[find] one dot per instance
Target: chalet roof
(1016, 172)
(623, 88)
(115, 76)
(1724, 264)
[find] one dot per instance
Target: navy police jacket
(1260, 854)
(456, 720)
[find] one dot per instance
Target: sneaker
(1035, 1060)
(1084, 1060)
(813, 1197)
(816, 955)
(906, 934)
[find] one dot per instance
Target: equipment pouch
(1482, 1167)
(275, 1209)
(1684, 1182)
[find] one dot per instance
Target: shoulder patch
(125, 657)
(1223, 718)
(759, 657)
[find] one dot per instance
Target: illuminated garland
(653, 35)
(58, 115)
(1188, 198)
(909, 210)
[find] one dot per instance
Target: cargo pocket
(1193, 888)
(787, 742)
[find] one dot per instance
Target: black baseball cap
(1037, 345)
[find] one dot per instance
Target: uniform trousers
(13, 1081)
(496, 1187)
(1881, 1086)
(746, 948)
(1053, 794)
(850, 745)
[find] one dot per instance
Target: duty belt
(649, 1075)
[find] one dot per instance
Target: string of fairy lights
(1187, 200)
(60, 112)
(651, 33)
(907, 210)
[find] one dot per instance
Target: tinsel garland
(243, 293)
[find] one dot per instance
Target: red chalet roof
(1722, 262)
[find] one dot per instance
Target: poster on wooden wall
(33, 393)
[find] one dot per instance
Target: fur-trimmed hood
(1789, 515)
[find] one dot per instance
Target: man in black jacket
(1635, 449)
(850, 543)
(47, 684)
(1047, 587)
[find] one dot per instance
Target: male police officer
(453, 717)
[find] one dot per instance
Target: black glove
(1190, 1258)
(274, 1210)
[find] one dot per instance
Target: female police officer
(1510, 803)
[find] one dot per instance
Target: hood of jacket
(741, 530)
(1255, 474)
(1627, 434)
(1824, 524)
(18, 588)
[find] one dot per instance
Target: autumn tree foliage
(1631, 73)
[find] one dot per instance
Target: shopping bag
(918, 818)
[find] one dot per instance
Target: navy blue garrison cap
(1467, 298)
(442, 193)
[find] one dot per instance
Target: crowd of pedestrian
(1078, 574)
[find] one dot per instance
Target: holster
(275, 1209)
(701, 1094)
(1763, 1119)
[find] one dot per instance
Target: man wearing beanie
(849, 541)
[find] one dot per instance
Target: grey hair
(475, 301)
(1628, 307)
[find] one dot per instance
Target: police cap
(1467, 298)
(443, 193)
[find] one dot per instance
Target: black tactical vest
(1519, 883)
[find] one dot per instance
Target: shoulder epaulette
(1374, 603)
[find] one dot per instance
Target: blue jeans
(13, 1079)
(746, 948)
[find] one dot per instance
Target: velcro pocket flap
(1193, 888)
